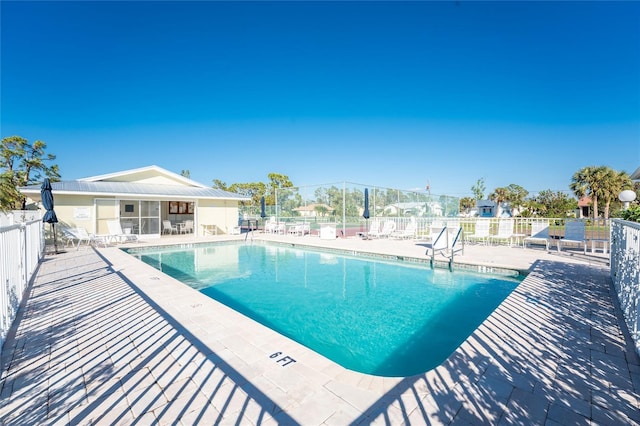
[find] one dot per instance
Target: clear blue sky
(387, 94)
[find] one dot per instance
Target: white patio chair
(168, 228)
(434, 229)
(573, 234)
(539, 234)
(187, 228)
(505, 232)
(481, 232)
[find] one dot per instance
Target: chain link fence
(343, 204)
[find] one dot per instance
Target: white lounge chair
(91, 238)
(299, 229)
(374, 229)
(270, 225)
(573, 234)
(505, 232)
(387, 229)
(115, 232)
(280, 228)
(481, 232)
(408, 232)
(539, 234)
(68, 236)
(80, 235)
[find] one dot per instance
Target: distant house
(584, 207)
(486, 208)
(141, 199)
(314, 210)
(405, 209)
(434, 208)
(489, 208)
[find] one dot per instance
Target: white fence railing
(21, 248)
(625, 273)
(596, 230)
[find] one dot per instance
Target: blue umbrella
(365, 214)
(50, 214)
(263, 212)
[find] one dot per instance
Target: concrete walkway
(105, 339)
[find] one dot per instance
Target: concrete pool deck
(106, 339)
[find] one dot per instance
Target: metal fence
(22, 247)
(343, 204)
(625, 273)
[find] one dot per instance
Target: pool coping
(463, 266)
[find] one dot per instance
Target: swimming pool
(370, 315)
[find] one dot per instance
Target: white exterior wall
(221, 214)
(72, 211)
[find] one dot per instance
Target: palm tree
(499, 195)
(600, 183)
(613, 183)
(466, 204)
(588, 181)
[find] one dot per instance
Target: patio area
(105, 339)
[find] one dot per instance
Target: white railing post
(625, 273)
(22, 246)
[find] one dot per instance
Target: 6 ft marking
(283, 361)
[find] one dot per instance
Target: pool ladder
(448, 242)
(250, 231)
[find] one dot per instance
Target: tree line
(23, 163)
(601, 184)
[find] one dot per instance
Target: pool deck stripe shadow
(106, 339)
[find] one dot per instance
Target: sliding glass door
(150, 218)
(140, 217)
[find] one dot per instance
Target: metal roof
(158, 170)
(135, 189)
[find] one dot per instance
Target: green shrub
(632, 213)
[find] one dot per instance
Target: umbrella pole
(55, 243)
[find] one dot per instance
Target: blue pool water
(372, 316)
